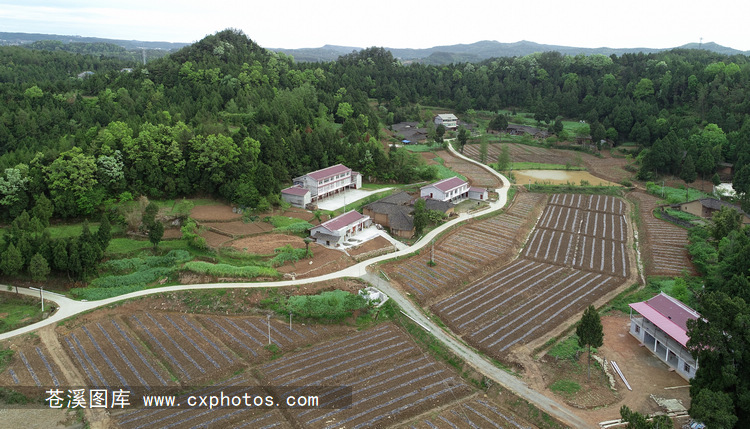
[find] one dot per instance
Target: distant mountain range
(437, 55)
(485, 49)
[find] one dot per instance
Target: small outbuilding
(296, 196)
(479, 194)
(661, 325)
(706, 207)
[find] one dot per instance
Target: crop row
(597, 203)
(604, 225)
(580, 251)
(476, 413)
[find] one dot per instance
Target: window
(686, 368)
(637, 329)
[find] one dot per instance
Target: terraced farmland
(471, 414)
(184, 417)
(32, 366)
(576, 255)
(523, 153)
(663, 245)
(477, 175)
(391, 379)
(468, 251)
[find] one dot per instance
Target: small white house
(335, 231)
(451, 189)
(479, 194)
(661, 325)
(296, 196)
(448, 120)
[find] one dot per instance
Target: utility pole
(41, 296)
(268, 321)
(290, 320)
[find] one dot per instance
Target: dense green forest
(226, 118)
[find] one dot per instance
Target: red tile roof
(343, 220)
(328, 172)
(295, 190)
(476, 189)
(446, 185)
(669, 314)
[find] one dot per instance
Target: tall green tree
(38, 268)
(420, 216)
(503, 159)
(688, 175)
(463, 137)
(590, 332)
(155, 233)
(12, 261)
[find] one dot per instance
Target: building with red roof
(661, 325)
(323, 183)
(335, 231)
(451, 189)
(297, 196)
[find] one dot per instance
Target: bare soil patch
(266, 244)
(214, 239)
(370, 246)
(221, 212)
(172, 234)
(324, 261)
(239, 228)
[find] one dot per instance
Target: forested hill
(228, 118)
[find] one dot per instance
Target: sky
(393, 24)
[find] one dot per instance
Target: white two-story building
(320, 184)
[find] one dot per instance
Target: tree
(12, 261)
(688, 174)
(590, 332)
(38, 268)
(43, 209)
(483, 151)
(463, 137)
(725, 221)
(155, 233)
(420, 216)
(104, 233)
(439, 133)
(498, 123)
(503, 159)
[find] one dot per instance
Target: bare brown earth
(219, 212)
(266, 244)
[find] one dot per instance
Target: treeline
(221, 117)
(720, 339)
(228, 118)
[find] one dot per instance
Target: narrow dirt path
(98, 418)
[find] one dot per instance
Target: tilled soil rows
(663, 244)
(476, 175)
(391, 379)
(32, 367)
(467, 252)
(576, 255)
(470, 414)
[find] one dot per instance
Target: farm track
(663, 244)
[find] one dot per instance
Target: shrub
(289, 254)
(224, 270)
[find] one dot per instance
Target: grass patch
(544, 166)
(330, 306)
(224, 270)
(566, 349)
(674, 195)
(565, 387)
(679, 214)
(678, 287)
(572, 188)
(127, 245)
(444, 172)
(17, 311)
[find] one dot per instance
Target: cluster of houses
(394, 212)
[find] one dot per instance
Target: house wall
(404, 233)
(436, 193)
(694, 208)
(663, 346)
(296, 200)
(380, 218)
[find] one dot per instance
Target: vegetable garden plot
(663, 245)
(32, 366)
(391, 379)
(597, 203)
(474, 413)
(220, 416)
(247, 337)
(525, 204)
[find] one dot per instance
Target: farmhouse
(519, 130)
(476, 193)
(410, 132)
(322, 183)
(706, 207)
(335, 231)
(452, 189)
(661, 326)
(448, 120)
(395, 212)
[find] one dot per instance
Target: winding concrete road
(68, 307)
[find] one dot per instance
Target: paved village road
(68, 307)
